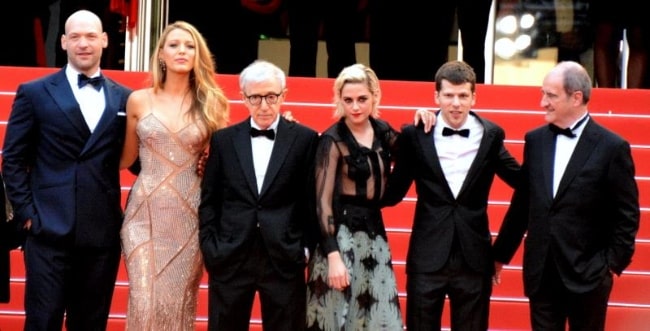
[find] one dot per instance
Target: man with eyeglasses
(257, 204)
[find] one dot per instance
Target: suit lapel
(285, 136)
(583, 150)
(481, 154)
(430, 155)
(244, 151)
(108, 115)
(59, 88)
(548, 161)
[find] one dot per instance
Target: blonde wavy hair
(209, 102)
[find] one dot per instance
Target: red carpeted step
(310, 102)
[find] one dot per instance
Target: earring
(162, 64)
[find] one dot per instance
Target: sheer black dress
(350, 180)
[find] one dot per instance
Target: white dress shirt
(456, 153)
(262, 148)
(564, 147)
(91, 102)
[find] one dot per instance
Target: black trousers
(394, 23)
(554, 305)
(468, 291)
(283, 301)
(64, 280)
(233, 47)
(340, 22)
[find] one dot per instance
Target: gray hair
(260, 71)
(575, 78)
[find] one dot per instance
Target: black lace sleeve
(327, 159)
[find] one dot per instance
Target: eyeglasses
(256, 99)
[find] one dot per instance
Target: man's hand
(496, 279)
(289, 116)
(426, 116)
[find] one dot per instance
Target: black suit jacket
(231, 208)
(58, 174)
(6, 238)
(590, 225)
(438, 215)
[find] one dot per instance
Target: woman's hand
(338, 277)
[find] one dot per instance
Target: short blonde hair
(357, 73)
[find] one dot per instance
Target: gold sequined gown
(160, 231)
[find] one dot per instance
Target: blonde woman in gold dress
(168, 128)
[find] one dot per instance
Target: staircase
(515, 108)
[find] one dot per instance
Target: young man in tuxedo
(453, 168)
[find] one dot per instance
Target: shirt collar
(73, 75)
(273, 126)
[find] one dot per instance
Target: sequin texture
(160, 231)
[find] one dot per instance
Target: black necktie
(566, 131)
(268, 133)
(96, 82)
(449, 131)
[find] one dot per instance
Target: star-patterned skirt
(371, 301)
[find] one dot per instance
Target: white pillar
(152, 18)
(624, 58)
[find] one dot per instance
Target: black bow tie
(268, 133)
(449, 131)
(557, 130)
(96, 82)
(567, 131)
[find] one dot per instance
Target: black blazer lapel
(548, 161)
(483, 149)
(430, 155)
(284, 138)
(61, 92)
(583, 150)
(244, 150)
